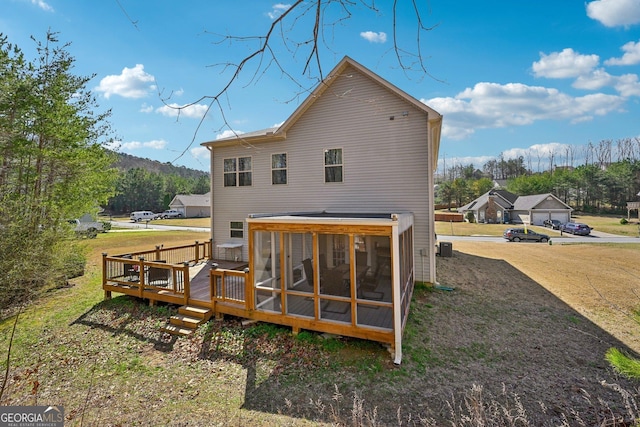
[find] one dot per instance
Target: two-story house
(333, 210)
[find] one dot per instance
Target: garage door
(560, 216)
(539, 217)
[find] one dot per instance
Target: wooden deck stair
(187, 320)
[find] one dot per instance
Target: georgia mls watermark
(31, 416)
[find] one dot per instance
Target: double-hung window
(236, 229)
(237, 172)
(279, 168)
(333, 165)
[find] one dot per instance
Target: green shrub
(470, 217)
(627, 366)
(624, 221)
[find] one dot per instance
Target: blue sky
(510, 77)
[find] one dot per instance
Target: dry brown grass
(599, 281)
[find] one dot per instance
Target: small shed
(192, 205)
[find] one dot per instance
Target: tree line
(604, 183)
(147, 185)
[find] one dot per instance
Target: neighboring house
(192, 205)
(501, 206)
(333, 210)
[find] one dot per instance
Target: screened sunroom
(342, 273)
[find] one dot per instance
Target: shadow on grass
(534, 357)
(130, 316)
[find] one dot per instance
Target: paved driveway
(594, 237)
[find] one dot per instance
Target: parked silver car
(171, 213)
(521, 234)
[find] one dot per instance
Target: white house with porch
(333, 210)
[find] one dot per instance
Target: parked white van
(138, 216)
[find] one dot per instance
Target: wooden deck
(367, 315)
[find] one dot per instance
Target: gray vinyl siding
(385, 162)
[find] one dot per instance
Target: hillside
(126, 162)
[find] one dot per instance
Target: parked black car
(576, 228)
(520, 234)
(554, 224)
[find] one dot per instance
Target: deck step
(203, 313)
(186, 321)
(176, 330)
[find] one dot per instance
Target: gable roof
(510, 201)
(504, 199)
(280, 133)
(192, 200)
(530, 202)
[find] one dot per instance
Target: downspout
(211, 198)
(431, 208)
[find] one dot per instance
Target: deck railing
(229, 285)
(158, 270)
(193, 253)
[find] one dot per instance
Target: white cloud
(200, 152)
(536, 156)
(493, 105)
(595, 80)
(628, 85)
(568, 63)
(277, 10)
(374, 37)
(631, 55)
(613, 13)
(42, 5)
(536, 151)
(156, 144)
(228, 134)
(131, 83)
(195, 111)
(146, 108)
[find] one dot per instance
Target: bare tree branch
(312, 19)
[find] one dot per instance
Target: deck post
(158, 247)
(141, 276)
(197, 252)
(248, 288)
(210, 249)
(187, 285)
(107, 294)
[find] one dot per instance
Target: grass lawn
(525, 324)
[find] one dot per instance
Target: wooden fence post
(107, 294)
(141, 276)
(187, 283)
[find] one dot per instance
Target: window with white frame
(279, 168)
(236, 229)
(333, 165)
(237, 172)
